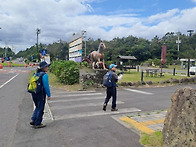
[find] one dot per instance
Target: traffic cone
(1, 66)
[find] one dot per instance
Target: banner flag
(163, 54)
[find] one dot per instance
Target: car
(192, 70)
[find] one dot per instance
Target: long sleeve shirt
(46, 84)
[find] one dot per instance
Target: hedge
(66, 71)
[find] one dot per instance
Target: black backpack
(107, 79)
(35, 85)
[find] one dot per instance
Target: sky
(104, 19)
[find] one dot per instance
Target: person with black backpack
(110, 80)
(39, 95)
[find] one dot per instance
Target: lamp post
(38, 31)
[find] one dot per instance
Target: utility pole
(178, 42)
(84, 36)
(38, 31)
(190, 34)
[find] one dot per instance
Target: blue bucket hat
(43, 64)
(112, 65)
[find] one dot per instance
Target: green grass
(152, 140)
(136, 76)
(13, 65)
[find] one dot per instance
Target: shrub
(66, 71)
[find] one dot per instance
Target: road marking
(82, 105)
(138, 91)
(65, 92)
(153, 122)
(96, 113)
(9, 81)
(137, 125)
(75, 95)
(73, 100)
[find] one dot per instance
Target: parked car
(192, 70)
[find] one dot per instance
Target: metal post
(174, 71)
(142, 76)
(188, 74)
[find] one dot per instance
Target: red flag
(163, 54)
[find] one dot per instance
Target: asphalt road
(78, 119)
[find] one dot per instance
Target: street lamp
(190, 32)
(38, 31)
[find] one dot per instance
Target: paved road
(78, 117)
(12, 85)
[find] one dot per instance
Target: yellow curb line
(142, 126)
(153, 122)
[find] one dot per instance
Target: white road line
(73, 100)
(82, 105)
(138, 91)
(74, 95)
(96, 113)
(78, 92)
(9, 81)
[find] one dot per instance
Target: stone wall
(93, 79)
(180, 123)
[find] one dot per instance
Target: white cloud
(194, 1)
(59, 19)
(163, 16)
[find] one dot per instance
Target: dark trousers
(39, 101)
(111, 92)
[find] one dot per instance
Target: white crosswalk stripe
(66, 105)
(83, 105)
(78, 99)
(139, 91)
(72, 95)
(96, 113)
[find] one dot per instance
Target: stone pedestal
(99, 73)
(180, 123)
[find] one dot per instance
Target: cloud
(59, 19)
(163, 16)
(194, 1)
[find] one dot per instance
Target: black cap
(43, 64)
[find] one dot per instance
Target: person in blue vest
(111, 91)
(40, 98)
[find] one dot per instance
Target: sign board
(75, 48)
(46, 58)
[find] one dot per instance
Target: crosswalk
(66, 105)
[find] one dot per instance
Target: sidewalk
(146, 122)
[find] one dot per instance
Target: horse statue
(96, 58)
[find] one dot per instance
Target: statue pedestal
(99, 73)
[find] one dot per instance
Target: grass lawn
(153, 140)
(13, 65)
(136, 76)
